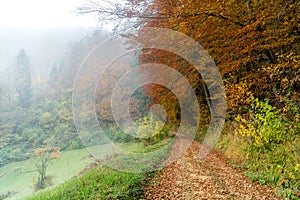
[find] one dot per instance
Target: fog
(43, 29)
(45, 46)
(42, 45)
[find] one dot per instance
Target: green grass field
(18, 177)
(102, 182)
(99, 182)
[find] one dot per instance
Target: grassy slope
(104, 183)
(19, 176)
(98, 183)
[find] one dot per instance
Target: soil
(212, 177)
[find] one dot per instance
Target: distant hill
(44, 46)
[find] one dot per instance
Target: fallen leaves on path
(211, 177)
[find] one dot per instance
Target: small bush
(265, 125)
(117, 135)
(150, 130)
(271, 147)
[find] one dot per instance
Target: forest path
(209, 178)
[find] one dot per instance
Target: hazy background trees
(36, 92)
(22, 79)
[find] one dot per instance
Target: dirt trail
(208, 178)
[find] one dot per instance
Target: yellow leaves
(247, 129)
(291, 175)
(297, 167)
(265, 125)
(239, 95)
(149, 129)
(45, 118)
(64, 115)
(279, 167)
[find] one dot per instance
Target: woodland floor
(209, 178)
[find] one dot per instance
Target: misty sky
(43, 28)
(42, 14)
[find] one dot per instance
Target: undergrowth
(266, 144)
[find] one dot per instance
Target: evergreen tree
(23, 79)
(53, 75)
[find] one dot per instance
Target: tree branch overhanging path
(110, 11)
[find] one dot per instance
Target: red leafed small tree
(42, 159)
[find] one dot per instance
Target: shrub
(151, 130)
(117, 135)
(265, 125)
(272, 145)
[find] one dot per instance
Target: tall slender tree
(23, 79)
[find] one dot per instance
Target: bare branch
(135, 12)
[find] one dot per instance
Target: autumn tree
(255, 44)
(42, 158)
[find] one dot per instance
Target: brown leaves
(210, 178)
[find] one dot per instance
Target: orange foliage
(255, 45)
